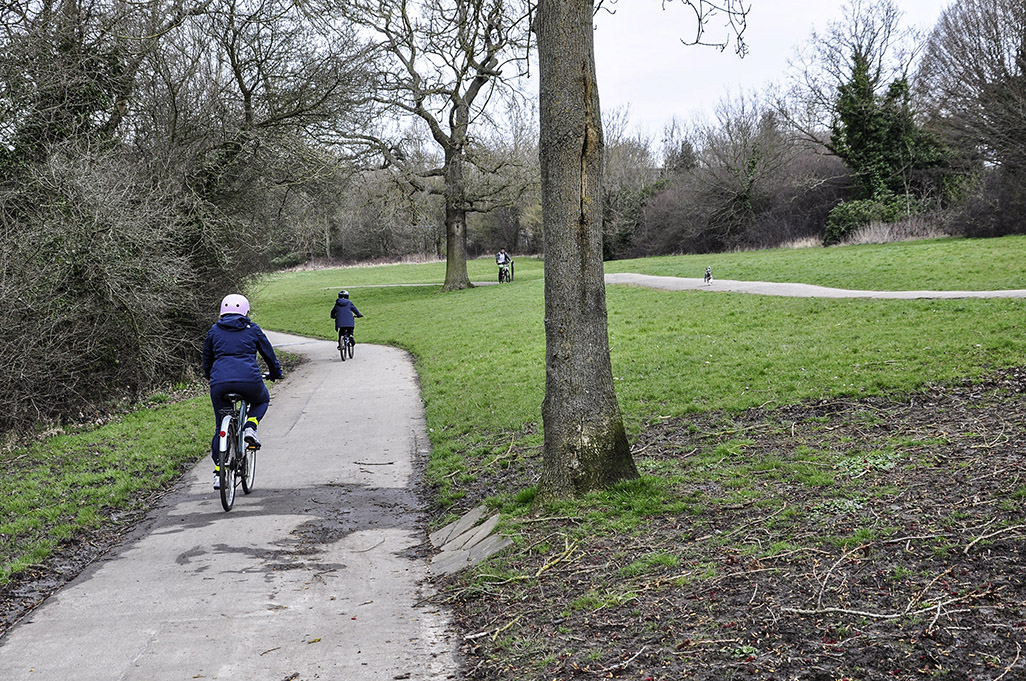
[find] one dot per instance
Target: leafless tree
(749, 183)
(974, 78)
(629, 168)
(585, 442)
(870, 30)
(744, 157)
(150, 151)
(448, 64)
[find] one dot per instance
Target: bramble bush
(108, 283)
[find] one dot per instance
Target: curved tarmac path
(792, 290)
(312, 576)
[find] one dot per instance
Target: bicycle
(346, 345)
(505, 272)
(233, 468)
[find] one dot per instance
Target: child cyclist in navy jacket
(229, 361)
(344, 313)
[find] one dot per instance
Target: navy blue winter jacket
(230, 350)
(343, 313)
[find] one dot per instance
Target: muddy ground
(852, 539)
(857, 539)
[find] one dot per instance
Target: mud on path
(859, 539)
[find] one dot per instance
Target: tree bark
(585, 443)
(456, 277)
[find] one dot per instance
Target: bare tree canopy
(151, 153)
(451, 65)
(869, 34)
(974, 71)
(974, 76)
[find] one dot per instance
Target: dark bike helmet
(343, 294)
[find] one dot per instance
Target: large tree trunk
(585, 444)
(456, 276)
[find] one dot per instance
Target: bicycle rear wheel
(351, 346)
(226, 464)
(342, 346)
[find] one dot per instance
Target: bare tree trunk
(585, 444)
(456, 276)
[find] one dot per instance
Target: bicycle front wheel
(226, 464)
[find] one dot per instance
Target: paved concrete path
(792, 290)
(309, 577)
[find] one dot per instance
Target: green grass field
(938, 264)
(480, 357)
(480, 353)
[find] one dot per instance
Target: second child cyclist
(344, 314)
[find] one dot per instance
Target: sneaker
(250, 436)
(217, 480)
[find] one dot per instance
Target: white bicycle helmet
(233, 303)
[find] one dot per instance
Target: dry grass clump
(909, 229)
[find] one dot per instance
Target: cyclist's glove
(275, 376)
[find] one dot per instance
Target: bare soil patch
(857, 539)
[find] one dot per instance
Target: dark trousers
(347, 330)
(256, 396)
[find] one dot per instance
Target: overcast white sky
(642, 63)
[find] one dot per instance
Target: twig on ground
(570, 549)
(965, 551)
(489, 632)
(370, 548)
(1018, 651)
(922, 592)
(511, 623)
(882, 615)
(826, 577)
(745, 526)
(551, 517)
(929, 628)
(622, 665)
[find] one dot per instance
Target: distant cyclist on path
(229, 361)
(503, 259)
(344, 314)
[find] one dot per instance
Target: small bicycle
(236, 461)
(506, 272)
(346, 345)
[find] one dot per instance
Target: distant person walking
(344, 314)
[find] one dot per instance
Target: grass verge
(55, 491)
